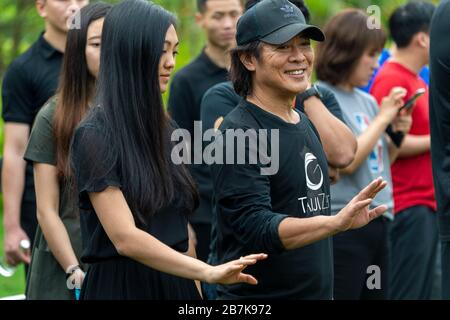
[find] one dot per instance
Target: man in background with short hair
(29, 82)
(218, 19)
(414, 229)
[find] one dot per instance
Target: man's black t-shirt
(186, 93)
(88, 148)
(219, 101)
(29, 82)
(440, 112)
(250, 206)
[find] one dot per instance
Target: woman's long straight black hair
(76, 86)
(129, 96)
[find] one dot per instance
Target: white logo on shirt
(314, 203)
(311, 159)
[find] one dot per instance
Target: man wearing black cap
(321, 108)
(286, 212)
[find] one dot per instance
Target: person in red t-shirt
(414, 231)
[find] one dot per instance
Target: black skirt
(126, 279)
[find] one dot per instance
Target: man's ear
(248, 61)
(40, 7)
(199, 19)
(422, 39)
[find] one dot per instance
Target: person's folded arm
(414, 145)
(338, 141)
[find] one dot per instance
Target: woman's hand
(231, 272)
(390, 105)
(356, 213)
(403, 122)
(76, 278)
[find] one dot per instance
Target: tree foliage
(20, 25)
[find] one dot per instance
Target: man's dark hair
(201, 5)
(240, 76)
(298, 3)
(408, 20)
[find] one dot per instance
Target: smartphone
(410, 103)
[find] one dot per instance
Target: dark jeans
(355, 252)
(414, 237)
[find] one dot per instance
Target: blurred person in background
(55, 263)
(414, 234)
(30, 80)
(344, 63)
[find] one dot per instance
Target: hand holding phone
(410, 103)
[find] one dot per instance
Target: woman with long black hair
(57, 248)
(134, 200)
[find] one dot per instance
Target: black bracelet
(396, 137)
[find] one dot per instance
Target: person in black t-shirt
(321, 107)
(440, 130)
(218, 20)
(29, 82)
(279, 204)
(134, 200)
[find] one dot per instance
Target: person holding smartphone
(344, 63)
(414, 232)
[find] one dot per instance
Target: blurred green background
(20, 26)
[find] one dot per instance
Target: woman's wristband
(71, 270)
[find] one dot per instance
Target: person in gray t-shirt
(359, 111)
(346, 61)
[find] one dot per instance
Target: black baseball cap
(274, 22)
